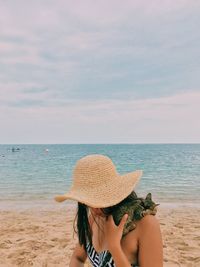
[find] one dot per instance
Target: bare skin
(144, 244)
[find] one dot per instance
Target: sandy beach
(44, 237)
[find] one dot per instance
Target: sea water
(36, 173)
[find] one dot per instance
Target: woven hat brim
(106, 195)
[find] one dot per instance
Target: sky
(99, 71)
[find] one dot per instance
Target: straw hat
(97, 184)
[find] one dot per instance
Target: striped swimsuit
(97, 258)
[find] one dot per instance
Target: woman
(100, 190)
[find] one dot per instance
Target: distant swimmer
(15, 149)
(46, 150)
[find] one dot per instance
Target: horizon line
(145, 143)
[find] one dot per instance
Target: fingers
(123, 221)
(110, 219)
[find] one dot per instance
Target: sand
(44, 237)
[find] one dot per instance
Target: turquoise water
(171, 172)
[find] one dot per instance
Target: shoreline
(49, 204)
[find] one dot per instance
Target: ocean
(36, 173)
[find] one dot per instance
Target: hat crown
(93, 170)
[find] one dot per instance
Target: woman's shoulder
(149, 230)
(148, 222)
(150, 241)
(148, 226)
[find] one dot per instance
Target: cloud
(165, 119)
(95, 61)
(135, 36)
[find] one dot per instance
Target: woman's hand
(113, 233)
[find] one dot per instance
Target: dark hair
(83, 227)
